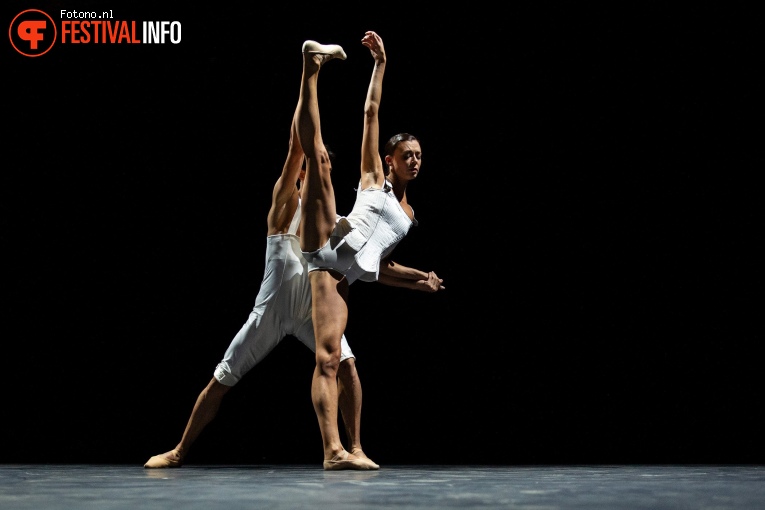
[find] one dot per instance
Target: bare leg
(205, 409)
(349, 400)
(330, 314)
(318, 215)
(329, 290)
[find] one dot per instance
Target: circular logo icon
(32, 33)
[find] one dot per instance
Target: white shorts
(256, 339)
(282, 307)
(336, 254)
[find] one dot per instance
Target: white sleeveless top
(379, 223)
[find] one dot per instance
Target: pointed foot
(169, 459)
(325, 51)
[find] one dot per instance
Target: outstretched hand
(375, 44)
(432, 284)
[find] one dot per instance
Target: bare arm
(396, 275)
(372, 173)
(284, 197)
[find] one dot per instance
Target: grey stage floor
(45, 486)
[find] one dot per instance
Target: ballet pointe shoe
(170, 459)
(343, 461)
(324, 51)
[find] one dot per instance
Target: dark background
(588, 195)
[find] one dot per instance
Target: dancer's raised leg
(329, 289)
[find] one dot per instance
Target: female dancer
(340, 250)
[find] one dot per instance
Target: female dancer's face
(406, 160)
